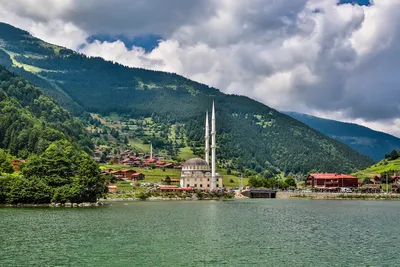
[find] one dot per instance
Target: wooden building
(331, 180)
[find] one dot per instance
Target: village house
(16, 164)
(172, 180)
(377, 179)
(137, 176)
(112, 188)
(128, 173)
(396, 178)
(331, 180)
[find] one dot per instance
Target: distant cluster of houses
(335, 181)
(138, 160)
(127, 174)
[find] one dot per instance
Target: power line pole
(240, 183)
(387, 188)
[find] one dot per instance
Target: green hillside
(30, 121)
(366, 141)
(385, 166)
(250, 134)
(34, 127)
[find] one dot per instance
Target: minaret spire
(213, 148)
(151, 150)
(207, 139)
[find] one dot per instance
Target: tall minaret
(207, 138)
(213, 147)
(151, 150)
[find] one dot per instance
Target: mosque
(196, 172)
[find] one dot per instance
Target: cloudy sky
(331, 58)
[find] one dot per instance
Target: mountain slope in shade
(365, 140)
(250, 135)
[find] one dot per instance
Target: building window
(208, 180)
(217, 185)
(188, 185)
(201, 185)
(195, 185)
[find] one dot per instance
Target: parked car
(345, 190)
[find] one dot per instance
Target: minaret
(213, 147)
(151, 150)
(207, 138)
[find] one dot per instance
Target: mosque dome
(195, 164)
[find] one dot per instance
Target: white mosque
(196, 172)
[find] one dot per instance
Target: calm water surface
(263, 232)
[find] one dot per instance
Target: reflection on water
(263, 232)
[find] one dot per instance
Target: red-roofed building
(174, 188)
(127, 173)
(151, 161)
(331, 180)
(112, 188)
(396, 178)
(137, 176)
(169, 165)
(377, 179)
(16, 163)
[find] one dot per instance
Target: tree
(167, 180)
(394, 155)
(290, 181)
(71, 174)
(256, 182)
(5, 164)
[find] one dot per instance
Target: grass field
(380, 167)
(186, 153)
(138, 144)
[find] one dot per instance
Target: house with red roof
(377, 179)
(396, 178)
(16, 163)
(137, 176)
(128, 173)
(331, 180)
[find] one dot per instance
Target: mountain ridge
(250, 134)
(372, 143)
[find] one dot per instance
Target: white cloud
(307, 55)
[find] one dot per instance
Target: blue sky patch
(147, 41)
(359, 2)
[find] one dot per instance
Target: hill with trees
(365, 140)
(30, 121)
(55, 145)
(250, 135)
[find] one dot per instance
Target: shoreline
(280, 195)
(55, 205)
(337, 196)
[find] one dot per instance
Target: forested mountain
(30, 120)
(250, 134)
(365, 140)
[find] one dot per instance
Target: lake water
(256, 232)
